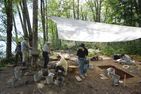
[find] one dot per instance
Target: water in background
(3, 48)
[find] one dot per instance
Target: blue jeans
(83, 65)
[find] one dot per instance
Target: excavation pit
(120, 72)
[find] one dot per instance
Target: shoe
(116, 84)
(82, 76)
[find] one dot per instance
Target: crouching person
(110, 72)
(62, 63)
(115, 79)
(61, 70)
(59, 76)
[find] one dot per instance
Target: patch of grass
(5, 61)
(2, 65)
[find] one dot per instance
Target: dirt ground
(92, 84)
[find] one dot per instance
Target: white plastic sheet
(78, 30)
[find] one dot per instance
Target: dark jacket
(18, 48)
(82, 52)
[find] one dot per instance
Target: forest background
(29, 18)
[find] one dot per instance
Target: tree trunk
(43, 19)
(16, 33)
(138, 9)
(35, 24)
(27, 18)
(99, 10)
(74, 15)
(58, 41)
(24, 21)
(35, 52)
(9, 14)
(91, 5)
(95, 7)
(139, 3)
(46, 23)
(78, 9)
(24, 29)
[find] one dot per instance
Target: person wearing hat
(82, 52)
(45, 53)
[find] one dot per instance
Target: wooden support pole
(124, 82)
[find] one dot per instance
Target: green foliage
(2, 65)
(113, 11)
(110, 50)
(53, 6)
(64, 46)
(6, 61)
(121, 12)
(132, 47)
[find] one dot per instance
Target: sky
(82, 1)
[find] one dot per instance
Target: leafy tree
(95, 7)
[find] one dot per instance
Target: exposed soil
(92, 84)
(118, 72)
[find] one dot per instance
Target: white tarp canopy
(78, 30)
